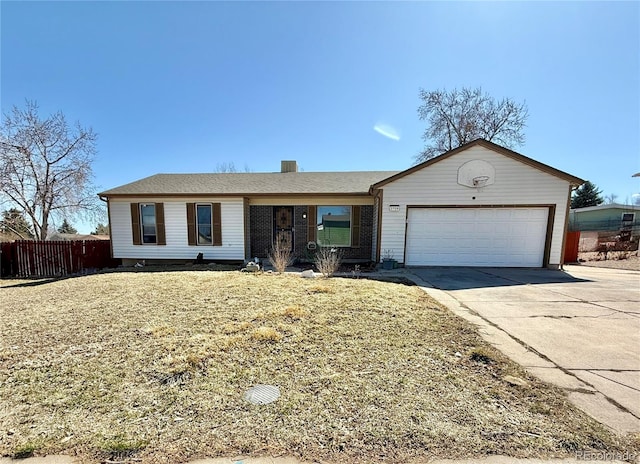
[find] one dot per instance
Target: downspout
(378, 195)
(246, 212)
(106, 200)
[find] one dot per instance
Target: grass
(152, 366)
(24, 450)
(121, 449)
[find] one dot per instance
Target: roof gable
(575, 181)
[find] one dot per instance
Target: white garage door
(501, 237)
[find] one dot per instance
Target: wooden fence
(571, 247)
(40, 258)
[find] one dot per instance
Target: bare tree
(610, 199)
(461, 116)
(230, 167)
(46, 166)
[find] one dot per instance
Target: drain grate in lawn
(155, 365)
(262, 394)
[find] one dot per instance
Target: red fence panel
(31, 258)
(7, 259)
(571, 247)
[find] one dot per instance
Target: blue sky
(184, 86)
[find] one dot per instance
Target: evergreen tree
(586, 195)
(13, 223)
(67, 228)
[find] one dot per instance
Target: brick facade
(261, 233)
(260, 230)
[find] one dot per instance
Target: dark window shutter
(191, 223)
(311, 223)
(355, 227)
(217, 224)
(162, 240)
(135, 224)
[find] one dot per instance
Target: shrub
(280, 257)
(328, 260)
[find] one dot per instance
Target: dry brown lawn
(152, 367)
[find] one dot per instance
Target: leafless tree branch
(459, 116)
(46, 166)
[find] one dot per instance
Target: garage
(499, 237)
(477, 205)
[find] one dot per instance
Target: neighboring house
(335, 229)
(58, 236)
(611, 217)
(478, 205)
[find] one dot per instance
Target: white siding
(515, 184)
(175, 216)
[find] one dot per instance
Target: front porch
(348, 228)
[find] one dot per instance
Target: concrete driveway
(578, 329)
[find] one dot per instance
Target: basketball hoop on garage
(480, 181)
(476, 174)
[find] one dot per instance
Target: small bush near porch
(152, 366)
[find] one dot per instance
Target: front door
(283, 221)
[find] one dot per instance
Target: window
(148, 223)
(204, 226)
(333, 226)
(628, 217)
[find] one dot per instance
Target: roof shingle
(276, 183)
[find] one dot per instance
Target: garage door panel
(476, 236)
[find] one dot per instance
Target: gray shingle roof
(276, 183)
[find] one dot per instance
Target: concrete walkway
(578, 329)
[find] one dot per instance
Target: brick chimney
(288, 166)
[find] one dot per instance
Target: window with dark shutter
(147, 224)
(204, 223)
